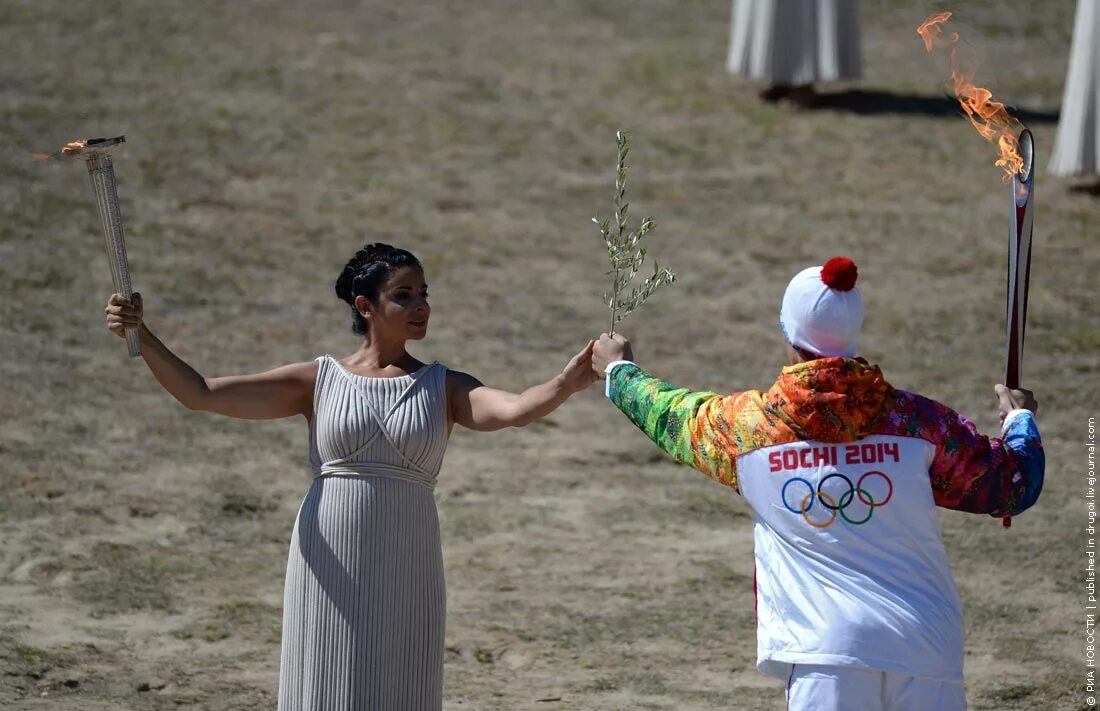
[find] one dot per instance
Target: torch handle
(102, 173)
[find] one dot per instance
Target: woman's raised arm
(477, 407)
(281, 392)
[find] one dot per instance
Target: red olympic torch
(993, 122)
(1019, 264)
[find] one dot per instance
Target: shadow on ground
(1091, 189)
(875, 102)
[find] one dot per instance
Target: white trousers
(826, 688)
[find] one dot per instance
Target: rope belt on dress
(374, 469)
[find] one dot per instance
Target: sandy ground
(144, 545)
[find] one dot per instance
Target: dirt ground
(144, 545)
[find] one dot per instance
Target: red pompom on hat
(840, 273)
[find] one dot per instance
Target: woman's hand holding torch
(124, 314)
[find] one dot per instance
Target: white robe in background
(795, 41)
(1077, 145)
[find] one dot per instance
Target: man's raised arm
(683, 423)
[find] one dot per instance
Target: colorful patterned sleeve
(979, 474)
(681, 422)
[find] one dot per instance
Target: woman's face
(401, 310)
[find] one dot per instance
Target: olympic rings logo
(837, 506)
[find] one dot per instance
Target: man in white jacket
(856, 605)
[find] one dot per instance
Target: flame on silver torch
(96, 153)
(1019, 265)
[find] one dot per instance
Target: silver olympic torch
(96, 153)
(1019, 259)
(1019, 264)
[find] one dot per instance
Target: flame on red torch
(989, 118)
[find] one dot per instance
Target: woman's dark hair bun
(362, 258)
(365, 274)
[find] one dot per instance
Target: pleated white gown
(1077, 145)
(365, 604)
(795, 41)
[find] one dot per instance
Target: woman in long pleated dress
(365, 607)
(1077, 144)
(790, 45)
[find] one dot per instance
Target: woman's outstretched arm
(477, 407)
(281, 392)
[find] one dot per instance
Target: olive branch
(625, 249)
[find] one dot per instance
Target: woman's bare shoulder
(305, 370)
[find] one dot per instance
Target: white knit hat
(823, 310)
